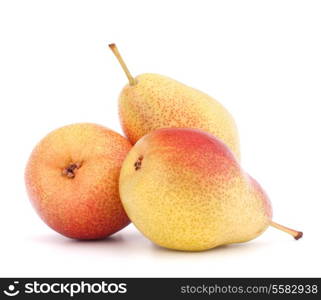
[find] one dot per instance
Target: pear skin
(184, 190)
(72, 180)
(152, 101)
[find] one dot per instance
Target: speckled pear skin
(86, 206)
(156, 101)
(184, 190)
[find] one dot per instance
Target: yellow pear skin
(184, 190)
(152, 101)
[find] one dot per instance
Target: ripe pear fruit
(152, 101)
(72, 180)
(184, 190)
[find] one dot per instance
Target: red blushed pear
(185, 190)
(72, 180)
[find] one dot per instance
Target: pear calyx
(70, 170)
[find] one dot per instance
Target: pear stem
(131, 79)
(296, 234)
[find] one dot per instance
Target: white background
(261, 59)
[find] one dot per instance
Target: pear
(152, 101)
(72, 180)
(184, 190)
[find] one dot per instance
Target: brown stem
(296, 234)
(131, 79)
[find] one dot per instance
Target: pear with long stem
(152, 101)
(184, 190)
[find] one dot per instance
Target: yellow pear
(152, 101)
(184, 190)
